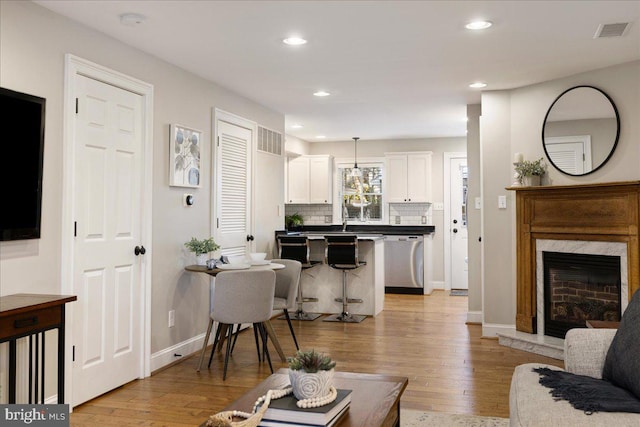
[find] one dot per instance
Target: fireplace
(579, 287)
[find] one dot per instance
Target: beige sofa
(531, 404)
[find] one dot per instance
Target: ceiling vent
(612, 30)
(269, 141)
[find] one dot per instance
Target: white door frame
(77, 66)
(446, 167)
(234, 119)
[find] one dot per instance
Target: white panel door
(108, 172)
(233, 199)
(459, 236)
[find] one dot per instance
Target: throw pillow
(622, 364)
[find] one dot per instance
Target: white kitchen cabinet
(309, 179)
(408, 177)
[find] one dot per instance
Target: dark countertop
(388, 230)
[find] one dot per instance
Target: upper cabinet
(408, 177)
(309, 179)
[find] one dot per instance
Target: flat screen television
(22, 119)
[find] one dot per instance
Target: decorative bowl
(258, 256)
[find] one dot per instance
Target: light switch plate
(478, 203)
(438, 206)
(502, 202)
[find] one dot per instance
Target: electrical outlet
(328, 219)
(478, 203)
(423, 220)
(398, 219)
(172, 318)
(502, 202)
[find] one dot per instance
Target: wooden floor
(425, 338)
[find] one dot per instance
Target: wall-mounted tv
(22, 152)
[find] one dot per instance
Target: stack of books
(284, 412)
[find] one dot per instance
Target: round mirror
(580, 131)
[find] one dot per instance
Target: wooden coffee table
(375, 400)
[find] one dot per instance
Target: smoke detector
(612, 30)
(132, 19)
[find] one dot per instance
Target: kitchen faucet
(345, 216)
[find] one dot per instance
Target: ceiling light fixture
(321, 93)
(294, 41)
(478, 85)
(296, 126)
(356, 171)
(478, 25)
(132, 19)
(320, 137)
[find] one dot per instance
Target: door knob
(139, 250)
(455, 230)
(249, 238)
(455, 221)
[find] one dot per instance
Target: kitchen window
(361, 195)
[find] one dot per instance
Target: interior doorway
(455, 221)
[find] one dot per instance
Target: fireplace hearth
(579, 287)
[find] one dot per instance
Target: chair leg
(255, 336)
(215, 343)
(293, 334)
(226, 356)
(265, 348)
(204, 344)
(235, 336)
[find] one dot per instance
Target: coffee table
(375, 400)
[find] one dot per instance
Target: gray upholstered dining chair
(287, 283)
(241, 296)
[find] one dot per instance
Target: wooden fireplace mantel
(592, 212)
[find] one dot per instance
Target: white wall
(512, 123)
(33, 42)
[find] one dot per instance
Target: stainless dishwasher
(404, 264)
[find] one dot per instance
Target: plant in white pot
(202, 248)
(311, 375)
(530, 171)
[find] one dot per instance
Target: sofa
(531, 404)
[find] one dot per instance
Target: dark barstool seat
(342, 254)
(297, 248)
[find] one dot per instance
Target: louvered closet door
(233, 201)
(568, 156)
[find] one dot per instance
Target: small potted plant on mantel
(202, 248)
(530, 171)
(310, 374)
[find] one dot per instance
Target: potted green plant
(293, 220)
(202, 248)
(310, 374)
(530, 171)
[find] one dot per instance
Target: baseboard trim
(437, 284)
(165, 357)
(474, 317)
(493, 329)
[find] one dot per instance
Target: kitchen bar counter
(392, 230)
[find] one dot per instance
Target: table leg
(274, 339)
(204, 344)
(60, 357)
(12, 371)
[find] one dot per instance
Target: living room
(34, 42)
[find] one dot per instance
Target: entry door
(108, 173)
(458, 235)
(233, 195)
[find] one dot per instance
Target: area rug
(413, 418)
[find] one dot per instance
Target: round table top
(215, 271)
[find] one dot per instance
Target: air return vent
(611, 30)
(269, 141)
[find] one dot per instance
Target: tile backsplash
(399, 213)
(312, 214)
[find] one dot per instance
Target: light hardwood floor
(425, 338)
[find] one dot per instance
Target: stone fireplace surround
(598, 218)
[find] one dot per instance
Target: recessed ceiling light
(296, 126)
(320, 136)
(478, 25)
(294, 41)
(132, 19)
(478, 85)
(321, 93)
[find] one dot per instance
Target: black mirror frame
(615, 143)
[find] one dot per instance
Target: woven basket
(225, 418)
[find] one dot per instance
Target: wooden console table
(30, 315)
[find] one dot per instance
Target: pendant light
(355, 172)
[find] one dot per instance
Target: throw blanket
(587, 393)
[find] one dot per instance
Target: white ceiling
(395, 69)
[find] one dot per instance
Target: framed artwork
(184, 156)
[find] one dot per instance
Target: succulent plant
(310, 361)
(202, 246)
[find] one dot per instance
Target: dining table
(213, 272)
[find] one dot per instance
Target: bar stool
(342, 254)
(297, 248)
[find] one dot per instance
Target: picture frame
(185, 147)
